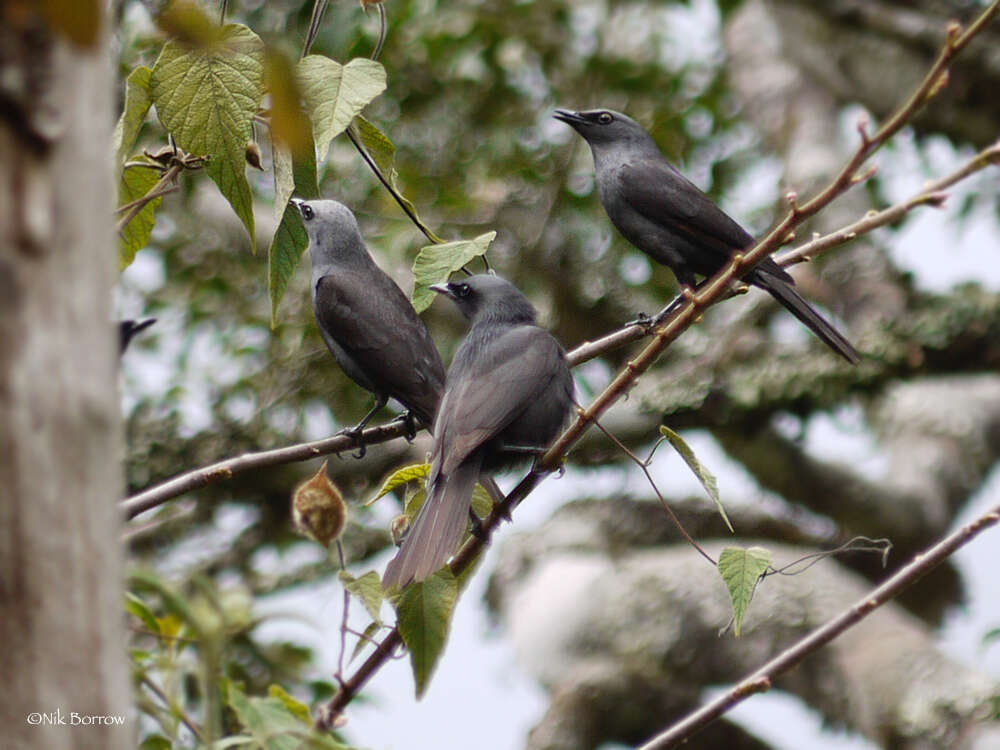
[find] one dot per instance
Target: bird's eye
(307, 212)
(605, 118)
(462, 290)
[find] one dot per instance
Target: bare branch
(225, 469)
(761, 680)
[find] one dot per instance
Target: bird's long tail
(785, 293)
(438, 529)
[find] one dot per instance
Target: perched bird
(366, 321)
(663, 214)
(508, 394)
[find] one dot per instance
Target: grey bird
(508, 394)
(365, 319)
(666, 216)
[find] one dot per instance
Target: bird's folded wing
(373, 321)
(513, 370)
(666, 197)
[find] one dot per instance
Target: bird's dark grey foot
(642, 320)
(355, 434)
(665, 312)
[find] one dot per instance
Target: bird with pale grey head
(508, 394)
(662, 213)
(366, 320)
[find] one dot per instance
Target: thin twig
(931, 194)
(319, 8)
(168, 176)
(382, 28)
(339, 675)
(763, 678)
(644, 465)
(387, 184)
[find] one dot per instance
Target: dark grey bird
(666, 216)
(365, 319)
(508, 394)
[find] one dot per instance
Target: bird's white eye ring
(307, 212)
(605, 118)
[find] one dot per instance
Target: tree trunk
(61, 620)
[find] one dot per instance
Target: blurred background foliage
(471, 88)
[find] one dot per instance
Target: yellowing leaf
(290, 126)
(740, 570)
(399, 477)
(206, 97)
(335, 93)
(435, 263)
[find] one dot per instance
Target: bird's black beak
(568, 116)
(444, 289)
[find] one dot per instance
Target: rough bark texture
(61, 621)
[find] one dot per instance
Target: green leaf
(292, 174)
(482, 503)
(137, 607)
(138, 99)
(435, 263)
(424, 616)
(206, 97)
(268, 720)
(704, 476)
(383, 152)
(370, 631)
(399, 477)
(289, 242)
(296, 707)
(335, 93)
(156, 742)
(741, 569)
(367, 588)
(137, 181)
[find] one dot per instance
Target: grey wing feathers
(485, 400)
(663, 195)
(375, 324)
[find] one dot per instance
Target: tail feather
(785, 293)
(438, 529)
